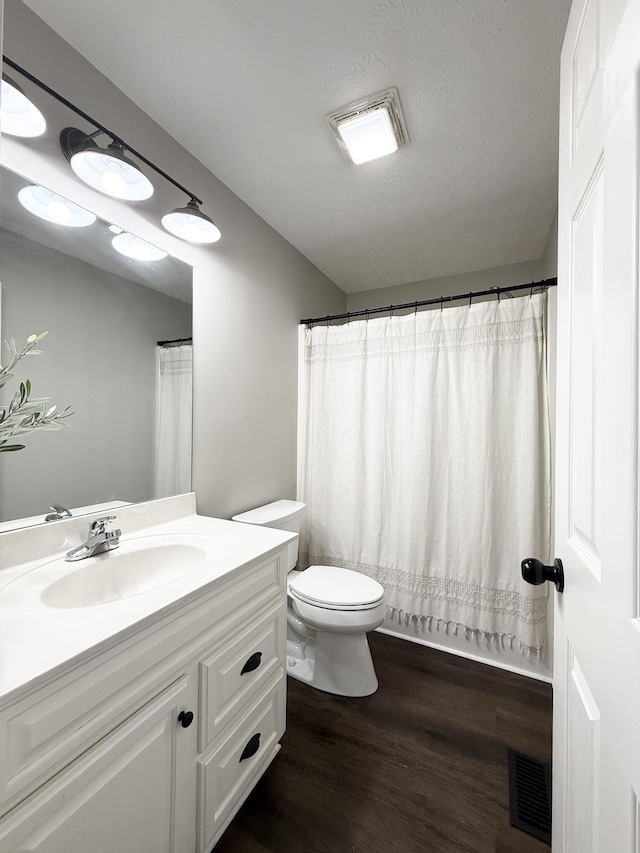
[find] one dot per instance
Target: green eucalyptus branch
(24, 415)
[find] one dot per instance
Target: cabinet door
(134, 791)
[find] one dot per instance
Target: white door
(597, 630)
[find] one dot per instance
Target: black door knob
(535, 572)
(186, 718)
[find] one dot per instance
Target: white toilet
(329, 611)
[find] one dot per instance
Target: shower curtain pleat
(423, 458)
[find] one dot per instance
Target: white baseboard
(538, 676)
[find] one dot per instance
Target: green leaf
(23, 414)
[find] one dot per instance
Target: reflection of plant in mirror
(23, 415)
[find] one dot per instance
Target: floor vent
(530, 795)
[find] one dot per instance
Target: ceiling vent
(370, 128)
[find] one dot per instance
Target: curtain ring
(416, 307)
(348, 317)
(470, 297)
(366, 314)
(531, 291)
(390, 311)
(327, 319)
(441, 303)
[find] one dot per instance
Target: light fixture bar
(101, 127)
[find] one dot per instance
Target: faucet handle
(100, 524)
(58, 513)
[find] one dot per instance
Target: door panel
(586, 401)
(583, 752)
(597, 643)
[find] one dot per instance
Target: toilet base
(333, 662)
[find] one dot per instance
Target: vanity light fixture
(191, 224)
(18, 115)
(135, 248)
(112, 171)
(108, 170)
(371, 128)
(54, 208)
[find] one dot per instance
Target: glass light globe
(113, 182)
(190, 223)
(110, 171)
(18, 116)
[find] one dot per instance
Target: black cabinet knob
(253, 745)
(186, 718)
(535, 572)
(252, 663)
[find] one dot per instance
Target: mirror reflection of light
(54, 208)
(59, 212)
(135, 248)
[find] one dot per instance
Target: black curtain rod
(175, 342)
(97, 124)
(438, 300)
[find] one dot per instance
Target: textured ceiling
(244, 85)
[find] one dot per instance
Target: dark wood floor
(419, 767)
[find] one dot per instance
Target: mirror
(131, 399)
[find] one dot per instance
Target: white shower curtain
(423, 458)
(173, 420)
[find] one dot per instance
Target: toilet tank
(283, 515)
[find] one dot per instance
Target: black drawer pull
(251, 748)
(186, 718)
(252, 663)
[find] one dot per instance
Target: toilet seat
(335, 588)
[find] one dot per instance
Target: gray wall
(549, 259)
(448, 286)
(100, 358)
(250, 289)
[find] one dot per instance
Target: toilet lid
(335, 588)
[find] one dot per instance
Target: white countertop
(37, 640)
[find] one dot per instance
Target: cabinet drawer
(236, 759)
(239, 668)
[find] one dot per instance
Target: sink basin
(120, 574)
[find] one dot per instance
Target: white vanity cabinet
(107, 757)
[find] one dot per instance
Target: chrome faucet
(58, 513)
(99, 539)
